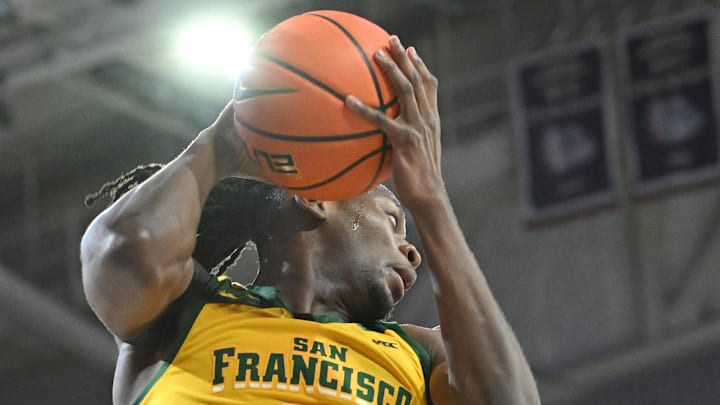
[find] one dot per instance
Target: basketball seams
(345, 172)
(306, 138)
(385, 107)
(382, 150)
(381, 104)
(361, 51)
(386, 146)
(302, 74)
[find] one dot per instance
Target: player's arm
(431, 340)
(485, 364)
(136, 255)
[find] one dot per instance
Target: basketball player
(312, 328)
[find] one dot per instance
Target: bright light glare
(218, 46)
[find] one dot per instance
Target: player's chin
(396, 294)
(380, 304)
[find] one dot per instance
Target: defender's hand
(415, 133)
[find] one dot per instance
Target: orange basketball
(289, 105)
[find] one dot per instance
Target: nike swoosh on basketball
(244, 93)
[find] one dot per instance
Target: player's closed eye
(393, 219)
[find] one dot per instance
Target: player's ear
(315, 208)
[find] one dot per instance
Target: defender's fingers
(400, 83)
(402, 58)
(427, 96)
(377, 117)
(430, 82)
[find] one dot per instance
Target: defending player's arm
(479, 360)
(136, 255)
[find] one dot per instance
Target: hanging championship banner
(561, 119)
(669, 75)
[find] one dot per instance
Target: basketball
(289, 105)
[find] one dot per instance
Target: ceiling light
(215, 45)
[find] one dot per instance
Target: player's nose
(411, 253)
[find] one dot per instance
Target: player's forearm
(484, 356)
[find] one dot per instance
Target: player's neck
(292, 271)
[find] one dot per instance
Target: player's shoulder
(429, 338)
(422, 332)
(163, 329)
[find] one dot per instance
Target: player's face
(373, 264)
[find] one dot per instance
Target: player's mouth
(405, 279)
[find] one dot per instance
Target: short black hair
(233, 215)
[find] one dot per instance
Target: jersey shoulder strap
(423, 357)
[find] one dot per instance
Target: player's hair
(233, 215)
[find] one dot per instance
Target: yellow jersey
(246, 345)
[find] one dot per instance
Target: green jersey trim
(423, 356)
(196, 302)
(272, 297)
(223, 290)
(266, 297)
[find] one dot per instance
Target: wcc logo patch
(383, 343)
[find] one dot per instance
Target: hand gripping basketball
(415, 134)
